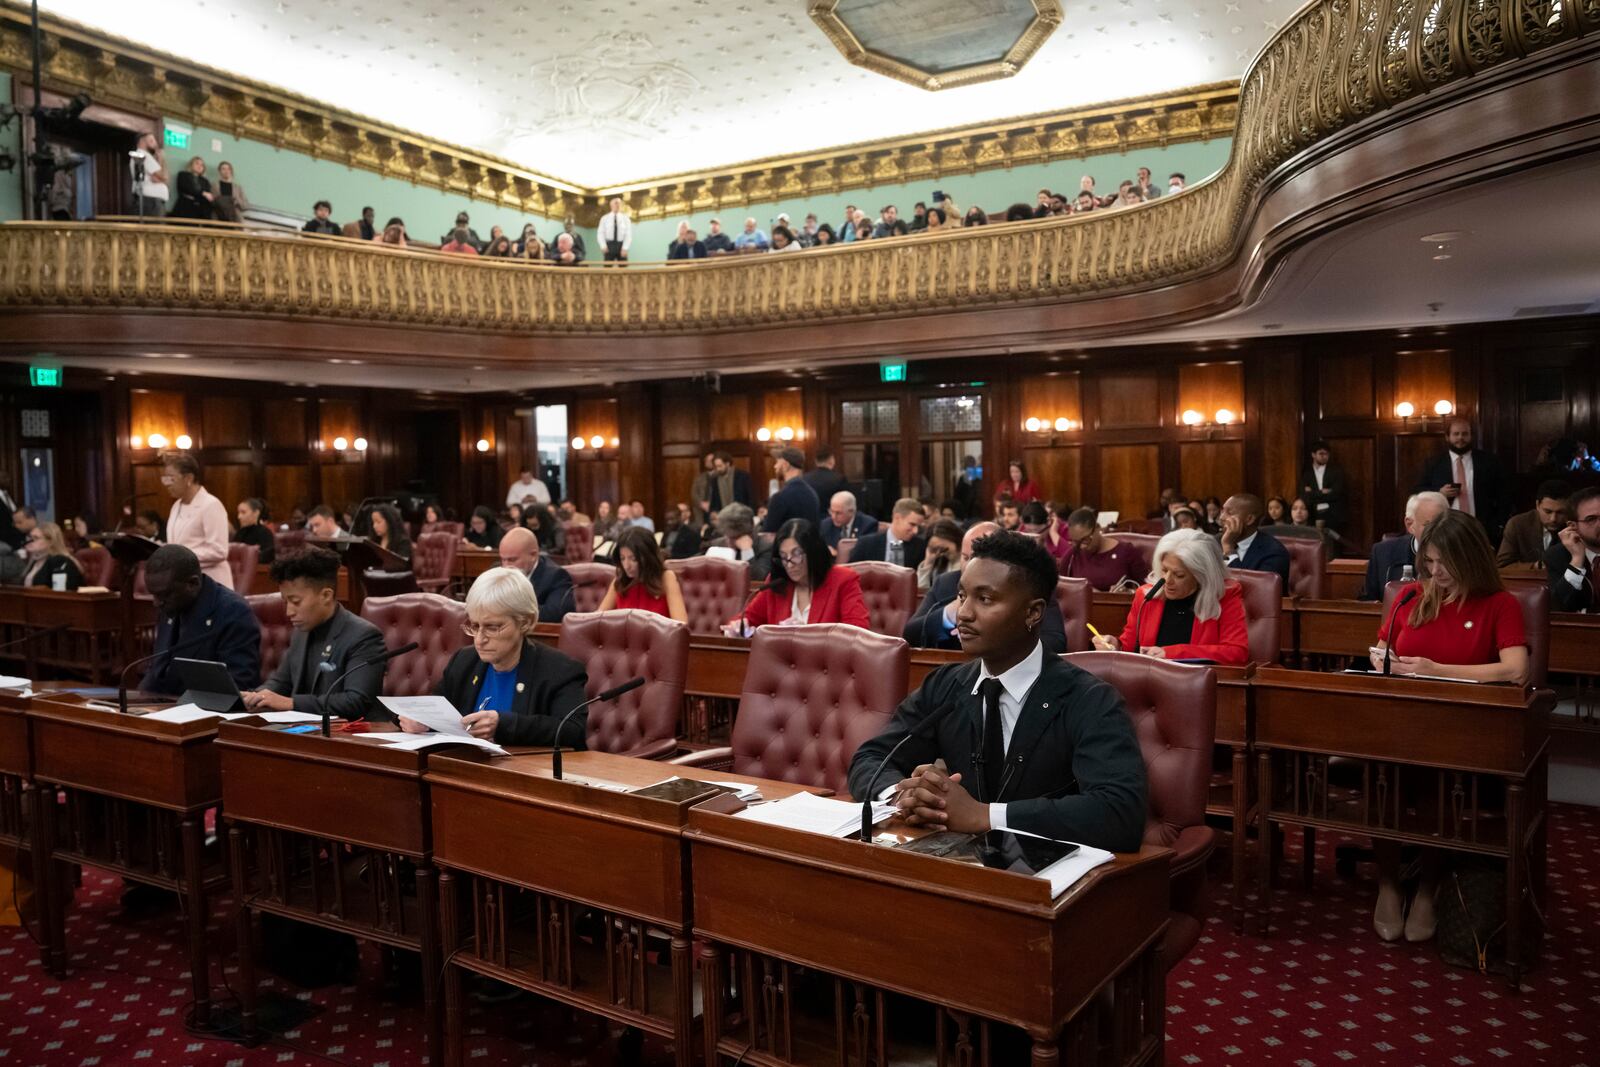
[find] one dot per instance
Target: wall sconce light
(341, 444)
(1443, 407)
(1032, 425)
(184, 441)
(136, 441)
(786, 433)
(763, 435)
(597, 441)
(577, 444)
(616, 442)
(1063, 424)
(1192, 417)
(361, 444)
(1405, 409)
(483, 444)
(1225, 417)
(1060, 424)
(158, 440)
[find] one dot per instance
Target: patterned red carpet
(1321, 991)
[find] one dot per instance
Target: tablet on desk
(207, 684)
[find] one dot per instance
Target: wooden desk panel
(1337, 627)
(161, 764)
(1575, 643)
(471, 562)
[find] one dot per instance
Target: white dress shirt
(201, 526)
(1239, 550)
(1317, 473)
(1015, 685)
(616, 227)
(1575, 579)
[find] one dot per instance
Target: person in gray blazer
(328, 641)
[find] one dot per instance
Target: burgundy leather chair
(714, 590)
(276, 630)
(389, 583)
(1174, 712)
(1263, 611)
(99, 567)
(812, 694)
(454, 529)
(1073, 597)
(242, 561)
(847, 545)
(1535, 602)
(1145, 543)
(580, 544)
(589, 584)
(431, 620)
(1308, 566)
(433, 561)
(890, 593)
(616, 646)
(287, 541)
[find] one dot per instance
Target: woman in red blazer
(1018, 486)
(806, 588)
(1196, 614)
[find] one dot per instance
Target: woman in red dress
(1460, 623)
(1196, 614)
(1019, 487)
(805, 587)
(643, 582)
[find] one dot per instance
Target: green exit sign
(892, 372)
(178, 137)
(49, 377)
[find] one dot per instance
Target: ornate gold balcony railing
(1334, 63)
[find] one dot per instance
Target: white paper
(436, 713)
(417, 742)
(1066, 871)
(282, 717)
(1107, 519)
(815, 815)
(721, 552)
(182, 713)
(10, 682)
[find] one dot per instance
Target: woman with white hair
(508, 687)
(1189, 609)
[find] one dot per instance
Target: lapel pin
(521, 687)
(1469, 624)
(208, 622)
(327, 650)
(474, 679)
(1046, 704)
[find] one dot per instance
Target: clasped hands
(935, 798)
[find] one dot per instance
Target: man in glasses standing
(327, 642)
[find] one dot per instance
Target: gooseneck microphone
(371, 661)
(122, 679)
(1138, 618)
(770, 583)
(610, 694)
(1388, 646)
(922, 729)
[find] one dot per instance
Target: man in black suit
(843, 520)
(729, 484)
(1322, 484)
(1391, 558)
(327, 642)
(1574, 560)
(196, 618)
(1471, 479)
(1245, 544)
(794, 498)
(934, 624)
(824, 478)
(902, 543)
(519, 550)
(1056, 753)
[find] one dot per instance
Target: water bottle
(1408, 573)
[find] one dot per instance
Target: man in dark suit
(519, 550)
(197, 619)
(934, 624)
(794, 498)
(902, 543)
(1574, 560)
(1056, 753)
(327, 642)
(1471, 479)
(844, 521)
(729, 484)
(824, 478)
(1245, 544)
(1322, 484)
(1391, 558)
(1529, 534)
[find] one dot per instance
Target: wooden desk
(1346, 577)
(136, 795)
(1338, 627)
(335, 850)
(1575, 643)
(471, 562)
(91, 645)
(1231, 795)
(1079, 974)
(1425, 759)
(569, 912)
(263, 583)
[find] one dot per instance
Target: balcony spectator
(864, 230)
(463, 223)
(570, 228)
(937, 220)
(616, 233)
(683, 228)
(363, 229)
(855, 219)
(394, 233)
(320, 222)
(499, 247)
(752, 239)
(807, 234)
(1019, 213)
(194, 192)
(565, 253)
(783, 240)
(919, 217)
(1086, 202)
(1147, 189)
(149, 172)
(460, 243)
(889, 224)
(944, 203)
(825, 236)
(1041, 207)
(691, 247)
(717, 243)
(976, 216)
(848, 223)
(530, 237)
(1176, 182)
(230, 203)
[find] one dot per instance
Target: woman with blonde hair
(47, 555)
(507, 686)
(1196, 613)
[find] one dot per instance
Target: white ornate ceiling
(606, 92)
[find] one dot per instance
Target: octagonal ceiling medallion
(938, 44)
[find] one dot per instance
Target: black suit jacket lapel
(1044, 704)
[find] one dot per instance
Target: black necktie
(994, 739)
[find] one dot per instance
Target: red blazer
(1021, 494)
(837, 599)
(1225, 639)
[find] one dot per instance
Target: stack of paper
(8, 681)
(417, 742)
(1068, 869)
(283, 718)
(191, 712)
(816, 815)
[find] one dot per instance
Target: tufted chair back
(287, 540)
(276, 631)
(1308, 566)
(616, 646)
(890, 593)
(99, 567)
(457, 530)
(433, 560)
(1144, 542)
(242, 560)
(1535, 603)
(589, 584)
(580, 543)
(1263, 608)
(1174, 711)
(1073, 597)
(812, 694)
(713, 590)
(389, 583)
(433, 621)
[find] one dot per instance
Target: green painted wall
(11, 141)
(992, 190)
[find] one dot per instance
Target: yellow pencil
(1092, 630)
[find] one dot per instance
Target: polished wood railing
(1333, 64)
